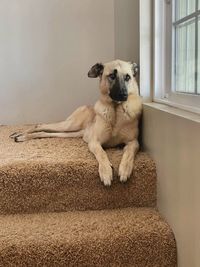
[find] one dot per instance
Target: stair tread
(57, 174)
(119, 237)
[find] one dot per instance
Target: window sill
(174, 111)
(182, 101)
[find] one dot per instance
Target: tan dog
(112, 121)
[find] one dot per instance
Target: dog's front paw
(125, 170)
(106, 173)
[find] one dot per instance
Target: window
(186, 46)
(177, 53)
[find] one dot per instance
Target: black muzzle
(118, 91)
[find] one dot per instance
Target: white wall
(46, 49)
(172, 138)
(127, 30)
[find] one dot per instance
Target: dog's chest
(123, 129)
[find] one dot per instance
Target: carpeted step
(47, 175)
(135, 237)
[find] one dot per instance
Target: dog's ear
(135, 68)
(96, 70)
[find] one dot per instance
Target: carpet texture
(124, 237)
(47, 175)
(54, 211)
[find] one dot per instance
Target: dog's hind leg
(26, 137)
(51, 127)
(77, 121)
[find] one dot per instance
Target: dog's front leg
(105, 167)
(127, 162)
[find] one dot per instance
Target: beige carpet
(61, 175)
(124, 237)
(56, 212)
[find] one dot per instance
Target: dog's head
(117, 79)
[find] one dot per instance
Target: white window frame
(162, 58)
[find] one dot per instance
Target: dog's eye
(127, 77)
(112, 76)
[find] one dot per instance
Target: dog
(112, 121)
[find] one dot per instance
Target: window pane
(184, 8)
(198, 74)
(185, 57)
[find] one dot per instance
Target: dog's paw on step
(20, 138)
(125, 170)
(14, 135)
(106, 173)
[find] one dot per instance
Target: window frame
(163, 39)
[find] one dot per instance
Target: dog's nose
(123, 94)
(122, 97)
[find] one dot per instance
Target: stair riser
(125, 237)
(47, 187)
(85, 257)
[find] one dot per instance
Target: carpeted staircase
(54, 211)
